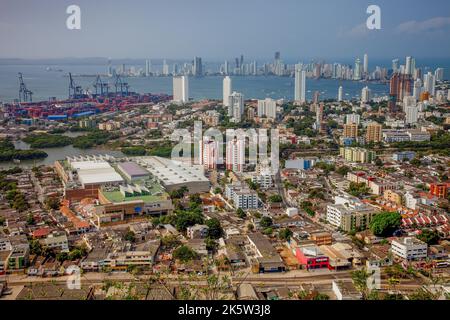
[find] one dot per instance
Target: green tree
(215, 230)
(285, 234)
(421, 294)
(265, 222)
(416, 162)
(428, 236)
(62, 256)
(384, 224)
(76, 253)
(170, 241)
(52, 203)
(195, 198)
(130, 236)
(240, 213)
(359, 278)
(30, 219)
(358, 189)
(343, 170)
(184, 254)
(211, 244)
(35, 247)
(276, 198)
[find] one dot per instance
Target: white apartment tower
(353, 118)
(181, 89)
(365, 94)
(148, 67)
(209, 153)
(366, 64)
(408, 67)
(340, 93)
(439, 74)
(236, 107)
(268, 108)
(412, 114)
(300, 84)
(417, 90)
(429, 83)
(235, 157)
(227, 89)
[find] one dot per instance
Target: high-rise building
(147, 68)
(439, 74)
(277, 55)
(412, 114)
(181, 89)
(401, 85)
(417, 88)
(236, 107)
(226, 68)
(408, 102)
(429, 83)
(319, 116)
(235, 155)
(209, 153)
(395, 65)
(350, 130)
(374, 132)
(267, 108)
(340, 93)
(227, 90)
(110, 70)
(198, 67)
(300, 85)
(316, 97)
(366, 65)
(357, 70)
(408, 66)
(365, 94)
(165, 69)
(353, 118)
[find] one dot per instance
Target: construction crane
(101, 87)
(75, 92)
(25, 95)
(123, 86)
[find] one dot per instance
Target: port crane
(25, 95)
(100, 87)
(123, 86)
(75, 92)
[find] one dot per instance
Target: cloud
(358, 31)
(429, 25)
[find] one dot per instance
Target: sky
(223, 29)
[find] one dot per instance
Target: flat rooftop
(171, 172)
(96, 172)
(132, 169)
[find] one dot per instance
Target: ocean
(45, 84)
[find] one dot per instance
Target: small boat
(17, 161)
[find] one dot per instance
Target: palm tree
(359, 278)
(393, 282)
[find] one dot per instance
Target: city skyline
(181, 32)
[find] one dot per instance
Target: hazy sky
(218, 29)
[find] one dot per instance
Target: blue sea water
(45, 84)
